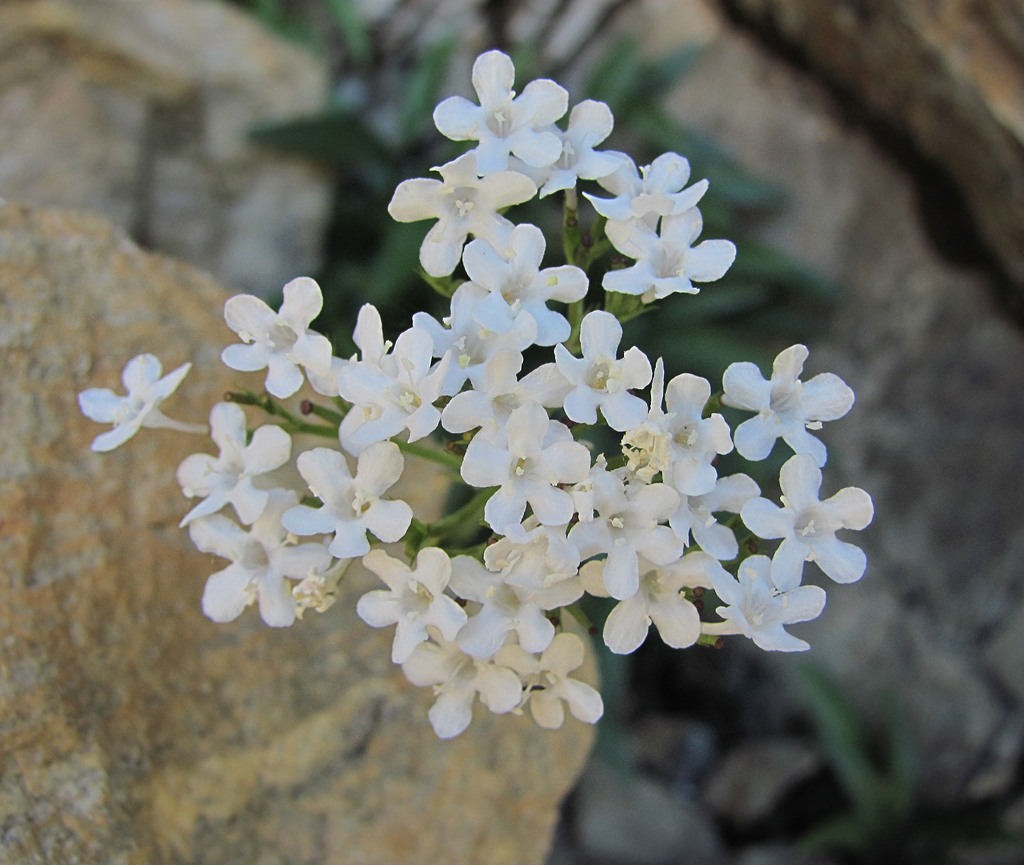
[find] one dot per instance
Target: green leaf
(353, 31)
(663, 73)
(616, 75)
(335, 137)
(420, 93)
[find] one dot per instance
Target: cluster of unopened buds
(489, 614)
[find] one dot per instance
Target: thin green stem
(292, 423)
(435, 455)
(471, 511)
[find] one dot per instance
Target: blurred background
(868, 160)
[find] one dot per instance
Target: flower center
(281, 337)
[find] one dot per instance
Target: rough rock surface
(132, 729)
(140, 111)
(934, 436)
(948, 73)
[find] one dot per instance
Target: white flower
(146, 390)
(627, 527)
(654, 191)
(666, 262)
(463, 204)
(504, 123)
(457, 678)
(758, 609)
(690, 440)
(599, 379)
(590, 123)
(786, 406)
(497, 393)
(808, 526)
(229, 478)
(696, 515)
(539, 454)
(548, 684)
(517, 286)
(281, 341)
(659, 601)
(509, 606)
(352, 505)
(469, 343)
(397, 393)
(413, 601)
(261, 560)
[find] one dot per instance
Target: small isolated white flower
(590, 123)
(463, 204)
(517, 286)
(549, 685)
(504, 123)
(786, 407)
(413, 601)
(394, 394)
(626, 527)
(808, 526)
(758, 609)
(352, 505)
(262, 561)
(695, 515)
(659, 601)
(508, 607)
(281, 341)
(139, 408)
(537, 455)
(230, 477)
(600, 379)
(457, 678)
(656, 190)
(666, 262)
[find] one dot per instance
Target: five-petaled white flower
(146, 390)
(457, 678)
(352, 505)
(666, 262)
(786, 407)
(758, 609)
(548, 684)
(808, 526)
(413, 601)
(262, 562)
(463, 204)
(504, 123)
(600, 379)
(625, 527)
(230, 477)
(659, 601)
(281, 341)
(656, 190)
(517, 286)
(537, 455)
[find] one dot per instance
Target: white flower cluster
(651, 526)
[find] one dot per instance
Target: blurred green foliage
(888, 816)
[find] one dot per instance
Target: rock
(934, 436)
(752, 778)
(140, 111)
(948, 74)
(132, 729)
(631, 818)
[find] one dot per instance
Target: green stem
(575, 315)
(435, 455)
(571, 233)
(292, 423)
(471, 511)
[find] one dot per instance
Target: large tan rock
(140, 111)
(132, 729)
(947, 73)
